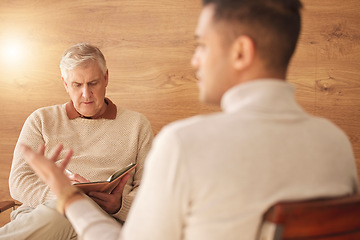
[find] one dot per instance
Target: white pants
(40, 223)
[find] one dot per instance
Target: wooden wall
(148, 46)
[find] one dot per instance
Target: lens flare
(12, 52)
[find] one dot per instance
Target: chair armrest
(5, 205)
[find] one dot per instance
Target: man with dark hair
(213, 177)
(274, 27)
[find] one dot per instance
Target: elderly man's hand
(111, 203)
(76, 178)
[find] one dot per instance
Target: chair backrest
(331, 219)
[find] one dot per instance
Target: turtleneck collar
(273, 94)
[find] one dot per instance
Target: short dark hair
(273, 25)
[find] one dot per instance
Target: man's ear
(65, 85)
(243, 52)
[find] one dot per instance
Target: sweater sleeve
(161, 206)
(91, 222)
(145, 138)
(25, 186)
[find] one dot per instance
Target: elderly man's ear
(65, 84)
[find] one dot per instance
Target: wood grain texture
(148, 46)
(326, 66)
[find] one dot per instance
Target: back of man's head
(273, 25)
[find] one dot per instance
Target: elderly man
(104, 138)
(212, 177)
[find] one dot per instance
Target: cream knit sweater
(101, 146)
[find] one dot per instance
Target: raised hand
(46, 168)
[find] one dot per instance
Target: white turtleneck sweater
(212, 177)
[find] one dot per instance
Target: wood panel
(148, 46)
(326, 67)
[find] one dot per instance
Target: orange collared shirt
(110, 112)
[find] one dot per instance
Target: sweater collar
(110, 112)
(274, 94)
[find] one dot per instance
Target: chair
(330, 219)
(5, 205)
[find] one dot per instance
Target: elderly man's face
(86, 85)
